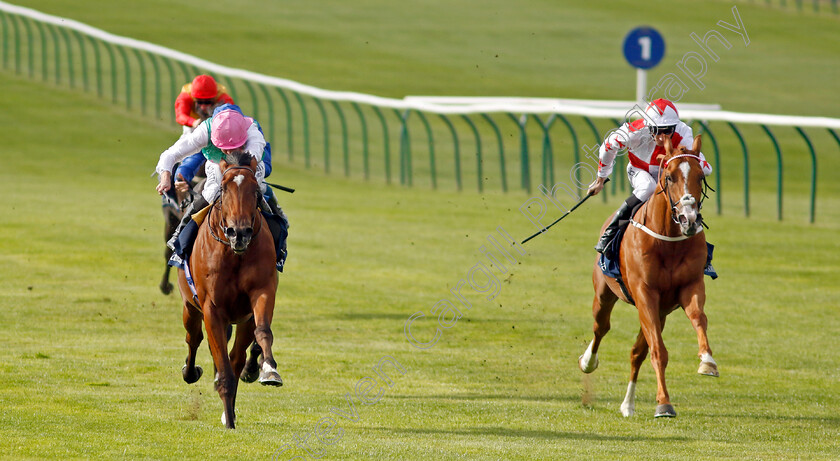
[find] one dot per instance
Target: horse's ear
(696, 146)
(253, 163)
(223, 164)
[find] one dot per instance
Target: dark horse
(172, 213)
(233, 267)
(662, 258)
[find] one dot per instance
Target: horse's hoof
(708, 369)
(627, 410)
(191, 377)
(249, 376)
(588, 368)
(666, 410)
(271, 378)
(166, 288)
(224, 421)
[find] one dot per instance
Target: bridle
(664, 186)
(228, 232)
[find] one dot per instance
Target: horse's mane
(238, 159)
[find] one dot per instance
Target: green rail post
(523, 150)
(365, 149)
(5, 21)
(813, 172)
(142, 79)
(326, 127)
(231, 88)
(173, 85)
(56, 50)
(597, 143)
(547, 154)
(479, 169)
(305, 128)
(834, 135)
(345, 144)
(70, 70)
(457, 150)
(113, 62)
(405, 147)
(500, 142)
(778, 170)
(575, 150)
(14, 21)
(431, 139)
(29, 48)
(43, 36)
(155, 65)
(127, 68)
(717, 167)
(387, 143)
(746, 168)
(97, 58)
(270, 106)
(289, 132)
(255, 108)
(81, 41)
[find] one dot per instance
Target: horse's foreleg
(226, 382)
(693, 299)
(192, 323)
(637, 357)
(602, 307)
(263, 312)
(244, 337)
(648, 307)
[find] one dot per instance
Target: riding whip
(564, 215)
(283, 188)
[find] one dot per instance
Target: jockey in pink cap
(226, 132)
(643, 139)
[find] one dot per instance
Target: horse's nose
(245, 234)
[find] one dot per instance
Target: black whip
(564, 215)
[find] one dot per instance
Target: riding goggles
(666, 130)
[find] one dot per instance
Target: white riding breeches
(644, 184)
(213, 185)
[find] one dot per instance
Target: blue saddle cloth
(608, 261)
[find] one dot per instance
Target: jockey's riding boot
(623, 213)
(197, 205)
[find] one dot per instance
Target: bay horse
(661, 257)
(233, 268)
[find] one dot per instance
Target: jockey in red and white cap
(645, 150)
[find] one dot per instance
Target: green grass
(92, 351)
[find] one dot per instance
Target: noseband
(217, 204)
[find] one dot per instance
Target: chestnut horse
(233, 267)
(662, 257)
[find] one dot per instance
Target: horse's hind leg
(692, 299)
(263, 312)
(244, 337)
(637, 356)
(192, 323)
(602, 307)
(252, 366)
